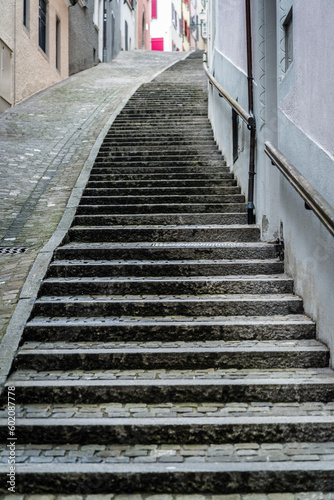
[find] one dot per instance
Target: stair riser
(137, 234)
(90, 393)
(170, 361)
(172, 481)
(161, 200)
(154, 209)
(160, 169)
(183, 162)
(186, 178)
(169, 434)
(155, 191)
(166, 333)
(143, 164)
(164, 287)
(147, 183)
(154, 148)
(173, 220)
(147, 308)
(90, 271)
(181, 253)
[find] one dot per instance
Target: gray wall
(83, 38)
(292, 109)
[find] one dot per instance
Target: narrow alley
(159, 349)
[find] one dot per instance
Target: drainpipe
(252, 124)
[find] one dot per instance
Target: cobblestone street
(44, 143)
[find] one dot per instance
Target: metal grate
(12, 250)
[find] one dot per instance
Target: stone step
(172, 208)
(159, 147)
(174, 305)
(118, 268)
(156, 141)
(112, 169)
(114, 190)
(116, 156)
(160, 219)
(165, 478)
(162, 177)
(183, 162)
(165, 200)
(147, 182)
(212, 232)
(168, 251)
(160, 386)
(190, 355)
(170, 329)
(195, 431)
(185, 285)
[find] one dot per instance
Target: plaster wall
(185, 17)
(292, 108)
(128, 15)
(161, 27)
(34, 69)
(83, 38)
(143, 14)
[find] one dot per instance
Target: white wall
(128, 15)
(292, 110)
(162, 27)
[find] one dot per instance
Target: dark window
(154, 9)
(288, 30)
(58, 43)
(26, 13)
(42, 25)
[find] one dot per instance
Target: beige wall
(32, 69)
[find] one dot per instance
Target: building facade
(143, 22)
(166, 25)
(292, 58)
(34, 47)
(186, 30)
(128, 25)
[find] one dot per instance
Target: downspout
(252, 123)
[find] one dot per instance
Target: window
(288, 30)
(42, 25)
(154, 9)
(26, 13)
(174, 16)
(58, 43)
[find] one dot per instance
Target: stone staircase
(166, 352)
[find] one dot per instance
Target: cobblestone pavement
(152, 453)
(274, 496)
(44, 142)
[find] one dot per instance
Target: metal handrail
(247, 117)
(322, 209)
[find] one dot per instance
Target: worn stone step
(169, 251)
(212, 232)
(159, 147)
(159, 386)
(147, 182)
(190, 355)
(114, 190)
(183, 162)
(211, 305)
(172, 208)
(156, 141)
(112, 169)
(159, 219)
(185, 285)
(166, 478)
(118, 268)
(177, 155)
(164, 200)
(169, 329)
(189, 430)
(162, 177)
